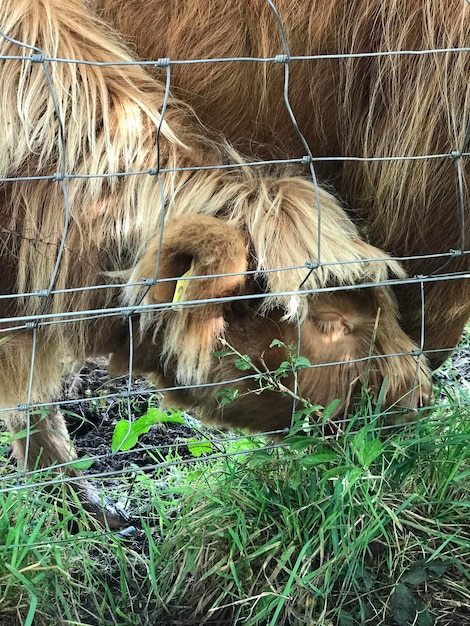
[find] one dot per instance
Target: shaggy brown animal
(336, 334)
(377, 105)
(73, 227)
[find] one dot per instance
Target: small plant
(307, 414)
(127, 432)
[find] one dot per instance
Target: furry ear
(362, 324)
(195, 245)
(177, 337)
(332, 322)
(334, 315)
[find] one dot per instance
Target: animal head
(358, 333)
(351, 338)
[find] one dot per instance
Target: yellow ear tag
(181, 288)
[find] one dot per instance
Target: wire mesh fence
(100, 161)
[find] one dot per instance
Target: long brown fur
(266, 218)
(377, 106)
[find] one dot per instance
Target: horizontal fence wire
(130, 386)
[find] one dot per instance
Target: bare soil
(91, 422)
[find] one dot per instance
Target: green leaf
(352, 476)
(243, 363)
(222, 353)
(197, 447)
(322, 456)
(126, 433)
(370, 451)
(403, 606)
(277, 343)
(462, 475)
(416, 574)
(124, 437)
(329, 410)
(381, 395)
(300, 442)
(225, 396)
(408, 610)
(245, 443)
(301, 363)
(307, 410)
(425, 618)
(162, 417)
(437, 568)
(260, 458)
(336, 472)
(283, 368)
(423, 570)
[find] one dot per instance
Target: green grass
(357, 531)
(364, 528)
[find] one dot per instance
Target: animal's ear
(332, 322)
(195, 245)
(199, 258)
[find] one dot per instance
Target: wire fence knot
(37, 57)
(312, 265)
(148, 282)
(281, 58)
(163, 62)
(455, 253)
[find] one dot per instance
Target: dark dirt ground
(97, 404)
(91, 422)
